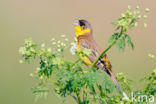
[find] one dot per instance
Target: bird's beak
(76, 22)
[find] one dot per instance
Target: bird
(85, 40)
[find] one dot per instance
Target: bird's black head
(82, 27)
(85, 24)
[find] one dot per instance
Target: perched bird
(85, 40)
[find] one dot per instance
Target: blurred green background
(45, 19)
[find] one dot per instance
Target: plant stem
(102, 94)
(109, 47)
(75, 98)
(75, 63)
(78, 97)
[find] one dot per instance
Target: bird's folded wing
(86, 44)
(103, 63)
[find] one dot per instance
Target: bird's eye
(82, 23)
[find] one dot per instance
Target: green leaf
(86, 52)
(121, 43)
(129, 41)
(114, 37)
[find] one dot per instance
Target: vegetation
(86, 85)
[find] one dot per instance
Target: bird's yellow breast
(80, 31)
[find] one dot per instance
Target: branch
(78, 97)
(109, 47)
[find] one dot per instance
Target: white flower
(22, 50)
(73, 48)
(54, 43)
(147, 9)
(52, 39)
(49, 49)
(20, 61)
(59, 50)
(37, 70)
(31, 74)
(139, 16)
(138, 12)
(62, 44)
(72, 43)
(137, 7)
(58, 46)
(151, 56)
(66, 39)
(63, 35)
(32, 50)
(43, 45)
(45, 62)
(75, 39)
(125, 97)
(136, 24)
(58, 41)
(145, 16)
(129, 7)
(145, 25)
(123, 15)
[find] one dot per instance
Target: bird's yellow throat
(80, 31)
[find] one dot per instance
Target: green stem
(75, 63)
(75, 98)
(109, 47)
(102, 94)
(78, 97)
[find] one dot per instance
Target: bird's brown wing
(103, 63)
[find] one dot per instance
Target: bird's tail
(113, 77)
